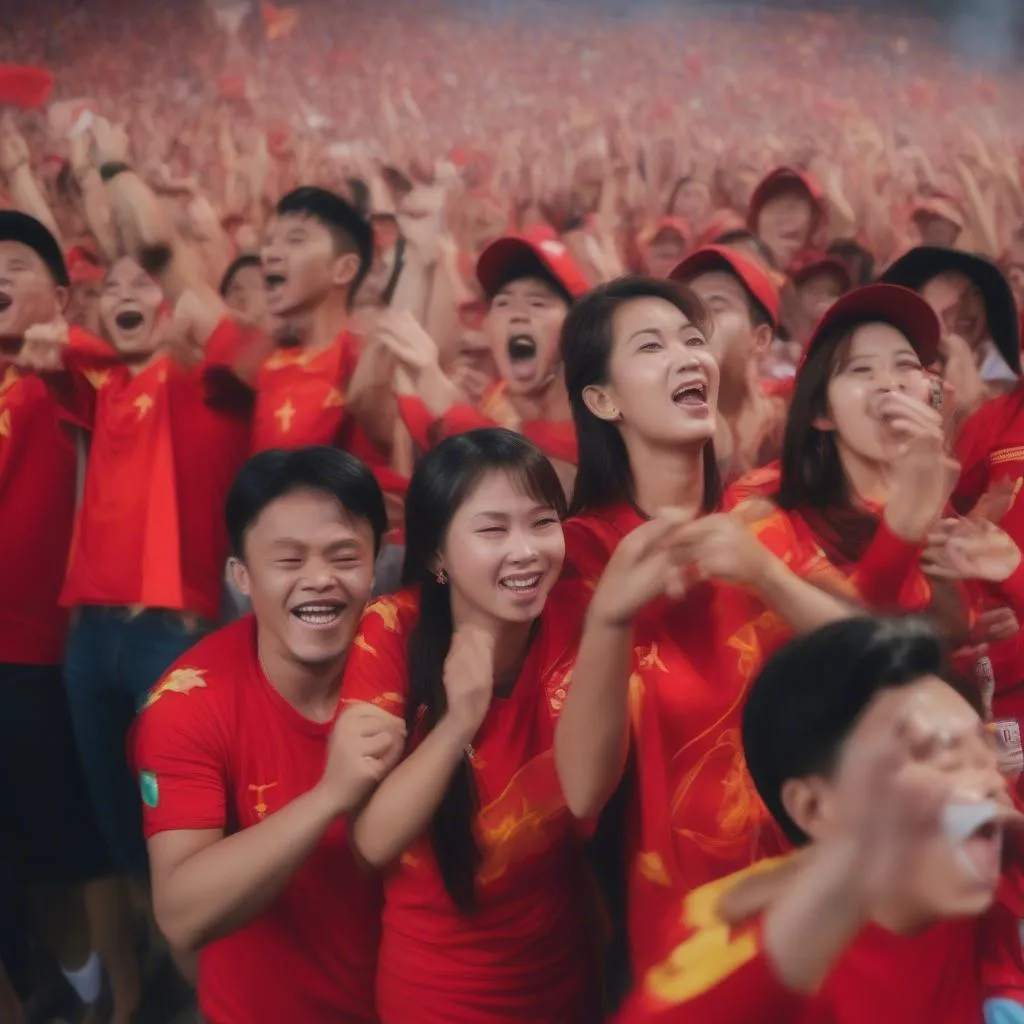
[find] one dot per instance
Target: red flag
(23, 86)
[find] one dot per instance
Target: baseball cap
(781, 180)
(920, 265)
(811, 262)
(536, 253)
(677, 225)
(16, 226)
(751, 274)
(885, 303)
(84, 265)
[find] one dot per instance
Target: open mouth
(6, 301)
(976, 832)
(521, 348)
(692, 396)
(274, 282)
(320, 614)
(129, 320)
(522, 585)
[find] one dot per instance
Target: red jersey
(37, 509)
(219, 748)
(694, 814)
(162, 458)
(557, 439)
(719, 974)
(528, 953)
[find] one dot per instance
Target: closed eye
(491, 530)
(289, 563)
(546, 522)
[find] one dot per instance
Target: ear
(63, 297)
(762, 338)
(600, 401)
(240, 576)
(346, 267)
(807, 801)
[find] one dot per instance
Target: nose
(524, 549)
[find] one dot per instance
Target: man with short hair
(873, 762)
(245, 775)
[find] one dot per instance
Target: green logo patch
(150, 789)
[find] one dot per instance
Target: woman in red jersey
(657, 700)
(486, 911)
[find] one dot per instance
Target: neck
(511, 642)
(311, 689)
(869, 481)
(317, 327)
(899, 920)
(139, 364)
(736, 393)
(550, 403)
(668, 477)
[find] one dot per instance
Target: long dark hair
(604, 476)
(811, 477)
(441, 483)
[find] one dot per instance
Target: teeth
(526, 583)
(317, 614)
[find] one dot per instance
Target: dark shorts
(46, 816)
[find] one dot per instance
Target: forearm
(412, 290)
(436, 389)
(229, 883)
(592, 736)
(810, 925)
(96, 210)
(29, 198)
(804, 606)
(401, 808)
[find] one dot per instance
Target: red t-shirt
(694, 814)
(219, 748)
(162, 456)
(718, 974)
(557, 439)
(37, 509)
(529, 950)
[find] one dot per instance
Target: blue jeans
(113, 660)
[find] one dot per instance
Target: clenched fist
(365, 745)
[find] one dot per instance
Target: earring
(442, 577)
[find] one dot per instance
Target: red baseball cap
(885, 303)
(722, 222)
(811, 262)
(84, 266)
(754, 277)
(536, 252)
(677, 225)
(781, 180)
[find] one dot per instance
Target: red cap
(84, 266)
(752, 275)
(889, 304)
(779, 180)
(24, 86)
(810, 262)
(677, 225)
(537, 251)
(722, 222)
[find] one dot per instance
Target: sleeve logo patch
(150, 789)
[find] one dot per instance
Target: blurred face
(664, 253)
(300, 265)
(691, 201)
(662, 387)
(879, 361)
(308, 571)
(959, 304)
(784, 224)
(503, 553)
(247, 294)
(735, 341)
(949, 751)
(523, 328)
(816, 294)
(938, 231)
(129, 308)
(84, 306)
(28, 294)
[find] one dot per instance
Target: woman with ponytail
(485, 916)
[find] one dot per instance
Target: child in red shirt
(486, 915)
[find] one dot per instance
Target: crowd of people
(508, 515)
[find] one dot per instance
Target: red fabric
(226, 750)
(991, 451)
(935, 976)
(695, 815)
(24, 87)
(37, 509)
(161, 460)
(523, 955)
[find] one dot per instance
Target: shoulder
(592, 537)
(758, 483)
(393, 614)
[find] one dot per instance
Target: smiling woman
(486, 917)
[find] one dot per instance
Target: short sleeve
(180, 756)
(376, 671)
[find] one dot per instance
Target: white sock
(87, 980)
